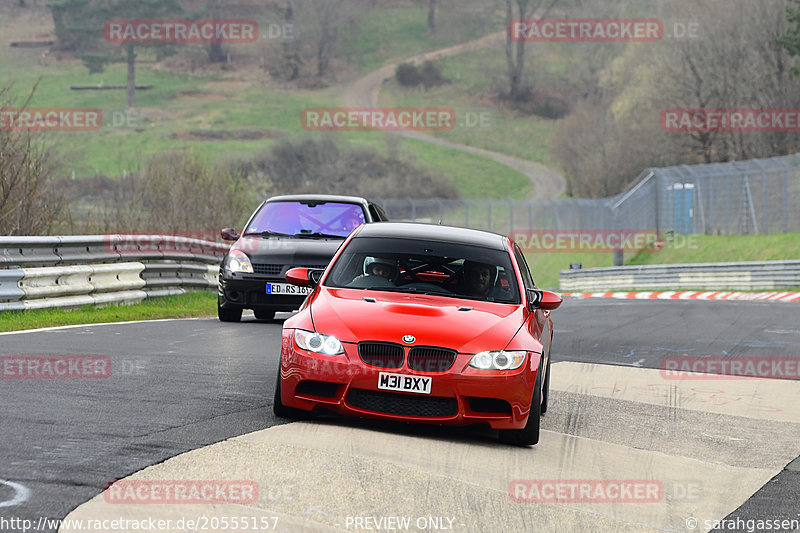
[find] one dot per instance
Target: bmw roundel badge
(409, 339)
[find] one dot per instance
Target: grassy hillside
(482, 121)
(396, 32)
(238, 112)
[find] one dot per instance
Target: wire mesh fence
(759, 196)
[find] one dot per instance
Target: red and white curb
(687, 295)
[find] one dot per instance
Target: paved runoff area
(623, 449)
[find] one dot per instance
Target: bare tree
(28, 203)
(515, 51)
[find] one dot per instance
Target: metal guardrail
(745, 276)
(45, 272)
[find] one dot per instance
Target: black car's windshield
(307, 219)
(426, 267)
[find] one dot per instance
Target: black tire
(546, 387)
(281, 410)
(529, 435)
(264, 315)
(228, 315)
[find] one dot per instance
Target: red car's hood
(432, 320)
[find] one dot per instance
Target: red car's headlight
(499, 360)
(317, 342)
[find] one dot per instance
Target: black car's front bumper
(248, 291)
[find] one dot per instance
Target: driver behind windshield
(479, 279)
(381, 267)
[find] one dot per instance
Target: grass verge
(192, 304)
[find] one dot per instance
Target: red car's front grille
(426, 359)
(402, 404)
(381, 354)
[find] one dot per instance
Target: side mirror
(304, 277)
(229, 234)
(546, 300)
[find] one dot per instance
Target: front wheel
(529, 435)
(281, 410)
(228, 315)
(264, 315)
(546, 387)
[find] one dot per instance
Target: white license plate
(287, 288)
(403, 383)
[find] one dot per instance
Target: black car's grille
(267, 270)
(402, 404)
(277, 270)
(381, 354)
(425, 359)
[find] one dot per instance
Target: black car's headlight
(318, 343)
(237, 261)
(498, 360)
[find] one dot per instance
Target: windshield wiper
(267, 234)
(317, 234)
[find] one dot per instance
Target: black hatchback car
(285, 232)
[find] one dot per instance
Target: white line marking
(58, 328)
(21, 493)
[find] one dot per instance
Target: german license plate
(403, 383)
(288, 289)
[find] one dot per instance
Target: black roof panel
(433, 232)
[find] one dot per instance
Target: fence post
(785, 214)
(765, 207)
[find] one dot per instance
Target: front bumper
(250, 292)
(461, 395)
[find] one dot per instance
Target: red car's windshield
(422, 267)
(307, 218)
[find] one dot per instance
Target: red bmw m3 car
(421, 323)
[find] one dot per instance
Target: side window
(373, 213)
(523, 266)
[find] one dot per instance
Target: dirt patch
(227, 135)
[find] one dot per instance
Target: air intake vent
(402, 404)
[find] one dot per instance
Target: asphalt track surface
(180, 385)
